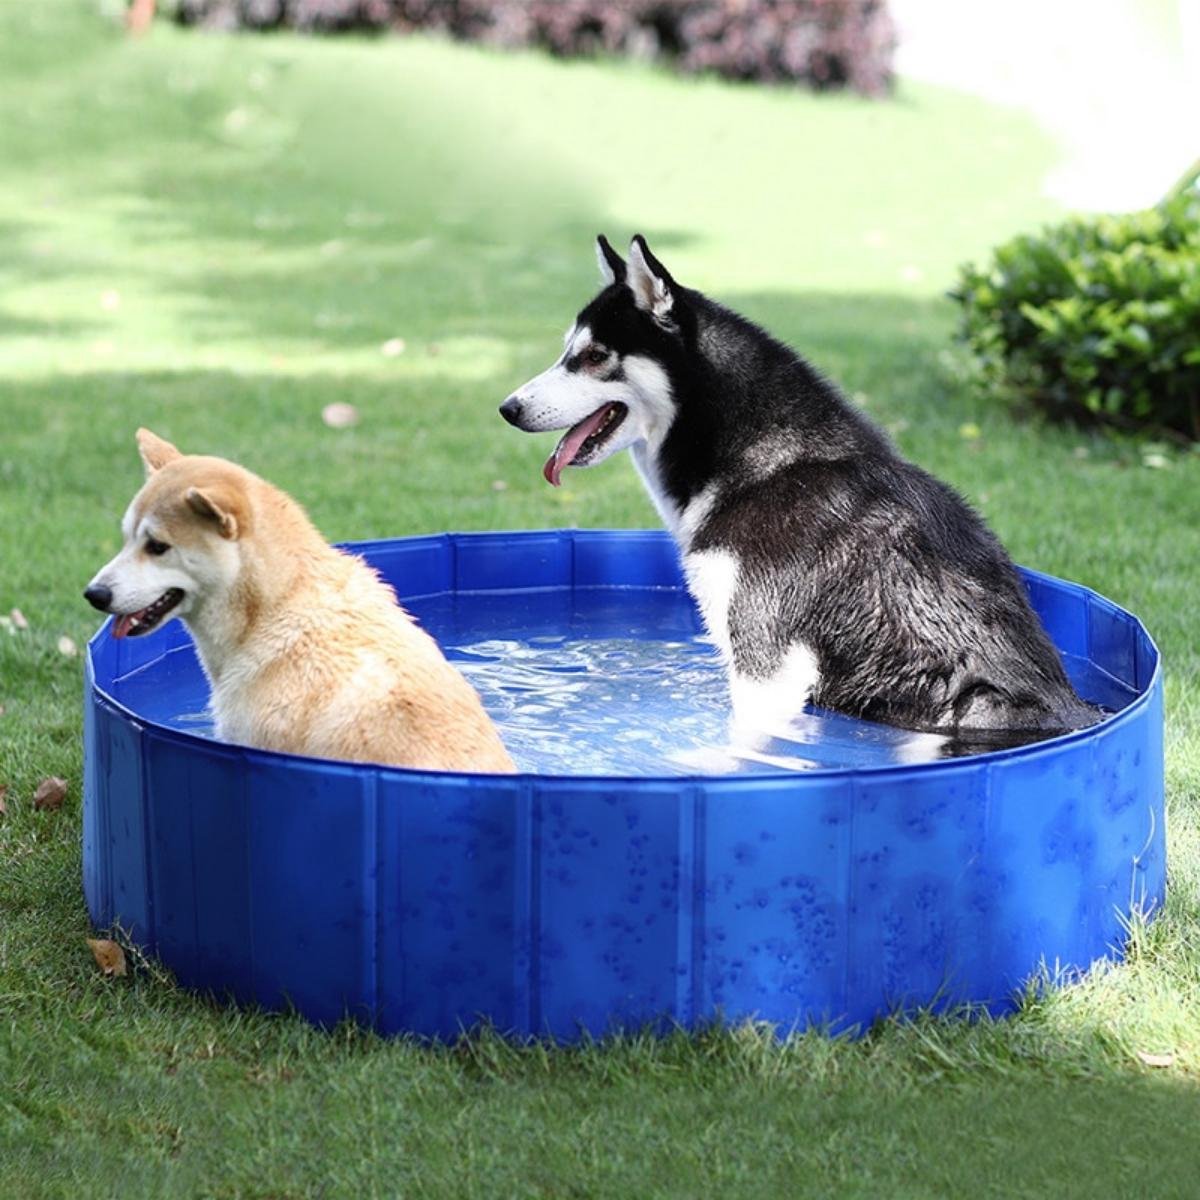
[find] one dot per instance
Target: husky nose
(98, 596)
(510, 410)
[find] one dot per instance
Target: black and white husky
(827, 568)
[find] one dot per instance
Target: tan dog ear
(210, 505)
(155, 452)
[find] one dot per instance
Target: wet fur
(305, 648)
(842, 574)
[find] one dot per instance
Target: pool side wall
(425, 903)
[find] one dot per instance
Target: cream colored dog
(305, 648)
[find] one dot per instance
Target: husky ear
(155, 452)
(214, 505)
(651, 284)
(612, 265)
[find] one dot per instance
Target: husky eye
(156, 548)
(594, 356)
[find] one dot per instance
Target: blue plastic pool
(612, 884)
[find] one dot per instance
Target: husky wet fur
(305, 648)
(826, 567)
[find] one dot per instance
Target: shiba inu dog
(827, 568)
(305, 648)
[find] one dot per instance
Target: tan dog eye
(156, 548)
(594, 356)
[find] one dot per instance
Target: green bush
(1095, 319)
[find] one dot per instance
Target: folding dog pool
(614, 886)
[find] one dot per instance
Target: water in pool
(597, 682)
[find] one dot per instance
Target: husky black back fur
(912, 607)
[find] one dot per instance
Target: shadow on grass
(431, 411)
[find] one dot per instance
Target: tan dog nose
(98, 596)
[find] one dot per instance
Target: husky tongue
(566, 450)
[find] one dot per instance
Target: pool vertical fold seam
(150, 934)
(699, 894)
(197, 954)
(527, 1002)
(989, 836)
(251, 954)
(372, 920)
(689, 915)
(850, 784)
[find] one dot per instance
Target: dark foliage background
(823, 43)
(1097, 318)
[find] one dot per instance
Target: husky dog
(304, 647)
(827, 569)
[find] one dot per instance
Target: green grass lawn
(215, 238)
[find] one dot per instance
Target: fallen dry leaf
(3, 793)
(392, 347)
(50, 793)
(1156, 1060)
(67, 647)
(110, 958)
(339, 416)
(18, 619)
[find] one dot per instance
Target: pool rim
(1051, 745)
